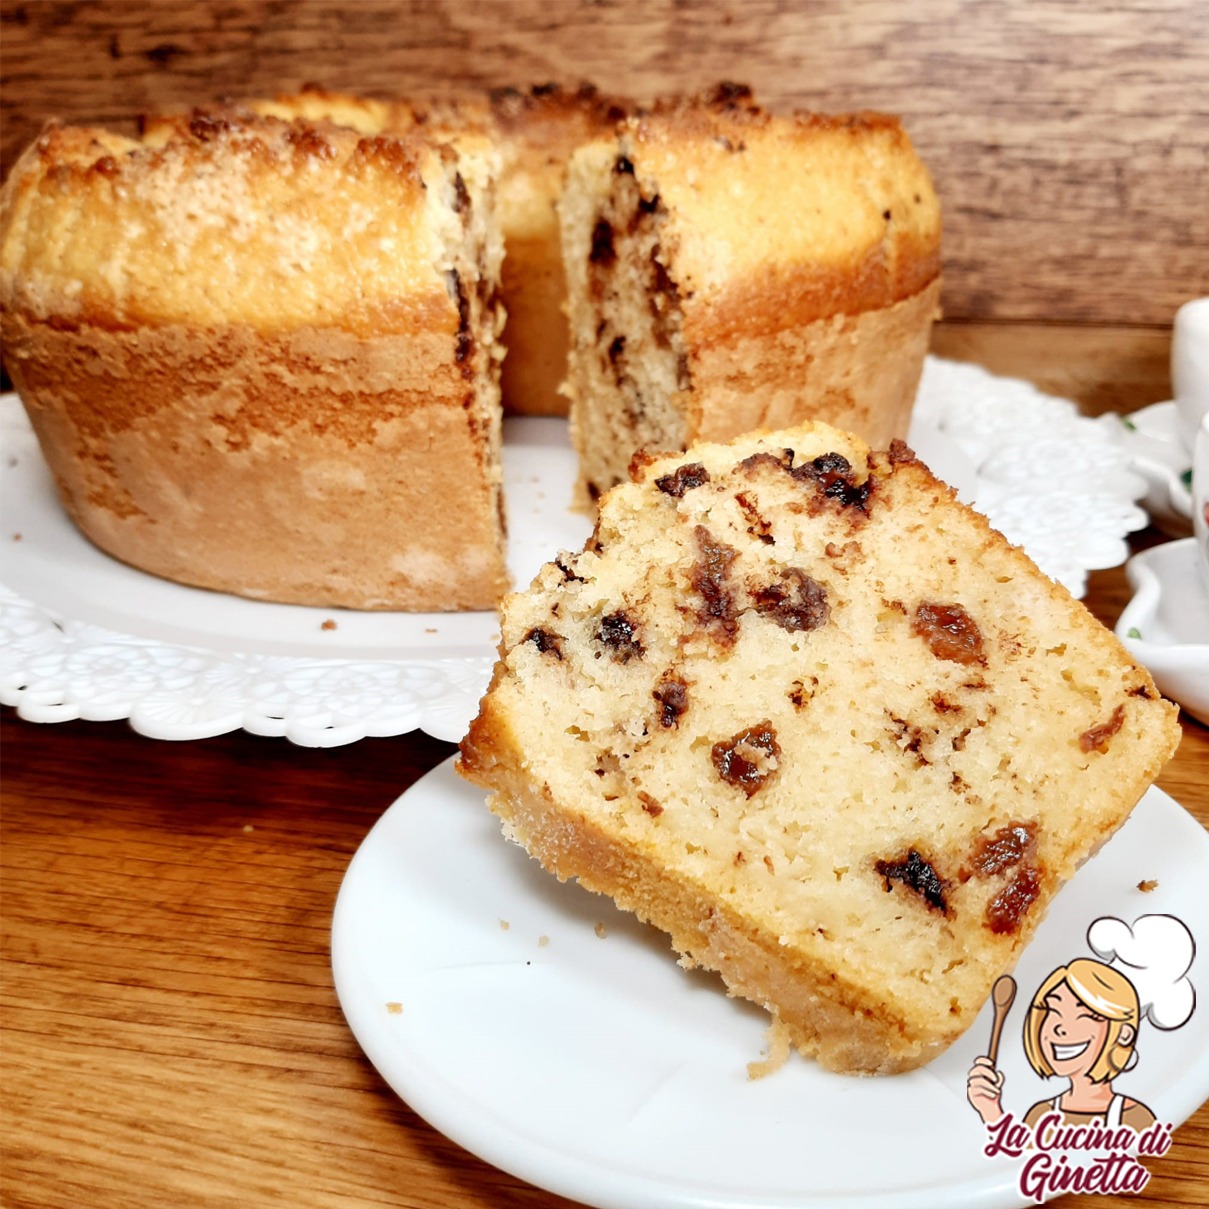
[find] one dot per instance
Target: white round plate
(85, 636)
(556, 1038)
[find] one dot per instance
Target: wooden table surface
(171, 1035)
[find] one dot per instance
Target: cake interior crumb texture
(799, 708)
(731, 270)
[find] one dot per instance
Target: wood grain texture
(171, 1035)
(1069, 140)
(170, 1031)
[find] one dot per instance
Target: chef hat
(1155, 955)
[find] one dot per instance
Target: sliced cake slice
(729, 269)
(799, 708)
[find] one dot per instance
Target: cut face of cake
(535, 131)
(799, 708)
(729, 270)
(263, 356)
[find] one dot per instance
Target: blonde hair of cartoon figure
(1102, 990)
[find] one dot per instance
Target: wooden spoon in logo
(1002, 995)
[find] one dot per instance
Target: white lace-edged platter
(85, 636)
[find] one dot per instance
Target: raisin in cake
(730, 270)
(262, 356)
(799, 708)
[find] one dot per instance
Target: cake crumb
(1148, 884)
(574, 744)
(504, 925)
(542, 941)
(395, 1009)
(601, 931)
(776, 1039)
(431, 629)
(16, 537)
(329, 624)
(248, 827)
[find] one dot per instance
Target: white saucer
(1157, 452)
(555, 1037)
(1166, 624)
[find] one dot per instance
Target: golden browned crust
(561, 114)
(449, 114)
(792, 296)
(312, 466)
(859, 372)
(218, 218)
(819, 214)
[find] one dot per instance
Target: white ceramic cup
(1190, 367)
(1200, 497)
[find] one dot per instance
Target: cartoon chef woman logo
(1082, 1026)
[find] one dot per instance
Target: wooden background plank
(1069, 140)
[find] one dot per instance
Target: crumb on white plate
(776, 1038)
